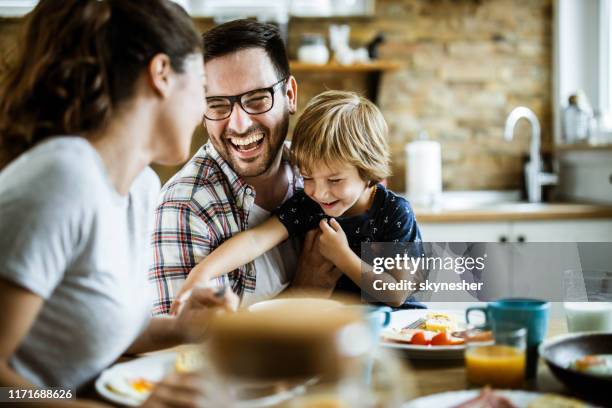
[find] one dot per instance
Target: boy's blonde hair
(345, 127)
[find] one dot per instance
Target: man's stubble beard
(280, 134)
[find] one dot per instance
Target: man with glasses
(236, 179)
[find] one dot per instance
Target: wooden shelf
(374, 66)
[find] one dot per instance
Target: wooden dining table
(427, 377)
(436, 376)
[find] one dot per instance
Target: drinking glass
(588, 295)
(499, 363)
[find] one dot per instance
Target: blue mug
(376, 318)
(532, 314)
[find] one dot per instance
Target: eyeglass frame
(235, 99)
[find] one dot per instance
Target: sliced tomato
(440, 339)
(419, 338)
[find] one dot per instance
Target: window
(14, 8)
(606, 58)
(583, 57)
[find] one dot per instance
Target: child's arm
(240, 249)
(334, 246)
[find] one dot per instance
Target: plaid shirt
(204, 204)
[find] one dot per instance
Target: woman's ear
(159, 72)
(292, 94)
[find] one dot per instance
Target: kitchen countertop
(515, 212)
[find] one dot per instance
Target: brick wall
(464, 65)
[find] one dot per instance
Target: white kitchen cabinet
(572, 230)
(590, 230)
(464, 232)
(514, 265)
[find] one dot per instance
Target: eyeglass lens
(255, 102)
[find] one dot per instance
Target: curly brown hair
(79, 61)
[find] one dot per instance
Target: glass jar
(313, 50)
(576, 121)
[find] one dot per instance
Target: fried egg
(137, 388)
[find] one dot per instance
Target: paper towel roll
(424, 172)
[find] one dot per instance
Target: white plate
(402, 318)
(305, 303)
(156, 366)
(521, 399)
(153, 368)
(451, 399)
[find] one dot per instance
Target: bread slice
(189, 359)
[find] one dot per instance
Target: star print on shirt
(389, 219)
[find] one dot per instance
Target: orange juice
(499, 366)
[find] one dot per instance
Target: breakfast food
(487, 399)
(475, 335)
(439, 322)
(421, 337)
(598, 364)
(493, 399)
(133, 387)
(189, 359)
(436, 329)
(319, 401)
(142, 385)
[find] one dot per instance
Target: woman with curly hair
(100, 90)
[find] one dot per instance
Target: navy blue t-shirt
(389, 219)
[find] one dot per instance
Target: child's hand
(180, 299)
(332, 242)
(192, 322)
(196, 277)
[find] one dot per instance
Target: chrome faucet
(535, 178)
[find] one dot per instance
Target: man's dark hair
(242, 34)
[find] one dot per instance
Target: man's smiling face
(250, 143)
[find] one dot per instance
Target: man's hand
(314, 272)
(333, 244)
(198, 309)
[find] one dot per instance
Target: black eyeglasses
(253, 102)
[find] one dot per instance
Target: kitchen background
(455, 69)
(461, 67)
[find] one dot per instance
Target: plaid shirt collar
(238, 185)
(244, 196)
